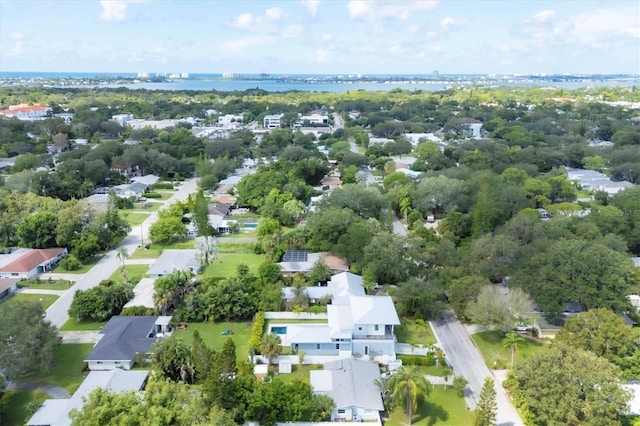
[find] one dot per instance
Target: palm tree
(270, 346)
(513, 342)
(122, 255)
(409, 384)
(383, 386)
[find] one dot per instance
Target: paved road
(398, 227)
(57, 312)
(466, 361)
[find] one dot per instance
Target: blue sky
(320, 37)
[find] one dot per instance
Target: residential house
(65, 116)
(27, 263)
(172, 260)
(55, 412)
(147, 180)
(230, 119)
(220, 224)
(295, 261)
(340, 285)
(6, 163)
(122, 119)
(408, 172)
(314, 118)
(350, 383)
(315, 131)
(8, 286)
(26, 112)
(596, 181)
(124, 337)
(272, 121)
(219, 209)
(356, 324)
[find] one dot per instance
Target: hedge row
(255, 340)
(152, 195)
(162, 185)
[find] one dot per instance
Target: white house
(314, 118)
(122, 119)
(356, 324)
(124, 337)
(230, 119)
(596, 181)
(26, 112)
(350, 383)
(8, 287)
(272, 121)
(55, 412)
(27, 263)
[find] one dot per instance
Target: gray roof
(142, 294)
(124, 337)
(146, 180)
(55, 412)
(220, 209)
(6, 283)
(171, 260)
(349, 382)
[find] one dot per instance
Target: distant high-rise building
(436, 73)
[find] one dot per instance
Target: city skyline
(320, 37)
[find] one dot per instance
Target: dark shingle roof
(124, 337)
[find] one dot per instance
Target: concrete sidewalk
(62, 277)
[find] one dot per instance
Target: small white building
(272, 121)
(122, 119)
(27, 263)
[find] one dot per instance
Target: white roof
(142, 294)
(373, 310)
(312, 258)
(55, 412)
(634, 403)
(146, 179)
(349, 382)
(170, 260)
(307, 333)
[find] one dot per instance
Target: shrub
(70, 263)
(138, 311)
(152, 195)
(420, 361)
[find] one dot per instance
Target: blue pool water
(279, 330)
(250, 225)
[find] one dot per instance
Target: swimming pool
(250, 225)
(279, 330)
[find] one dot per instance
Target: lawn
(83, 269)
(149, 206)
(67, 370)
(45, 300)
(298, 372)
(211, 333)
(135, 219)
(439, 371)
(73, 325)
(18, 406)
(442, 407)
(496, 356)
(45, 284)
(134, 273)
(155, 250)
(143, 253)
(416, 333)
(232, 255)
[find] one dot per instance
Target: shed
(260, 370)
(284, 366)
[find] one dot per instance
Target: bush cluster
(256, 332)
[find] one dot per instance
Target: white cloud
(449, 22)
(399, 10)
(326, 37)
(115, 10)
(322, 55)
(292, 31)
(396, 50)
(274, 14)
(243, 21)
(18, 46)
(311, 6)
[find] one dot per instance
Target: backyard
(441, 407)
(496, 355)
(18, 406)
(416, 332)
(135, 219)
(67, 370)
(298, 372)
(155, 250)
(134, 273)
(83, 269)
(44, 284)
(73, 325)
(211, 334)
(230, 255)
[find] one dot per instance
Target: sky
(321, 36)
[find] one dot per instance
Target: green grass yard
(135, 219)
(211, 333)
(496, 356)
(83, 269)
(148, 206)
(45, 284)
(134, 273)
(232, 255)
(441, 407)
(18, 406)
(67, 370)
(45, 300)
(298, 372)
(415, 333)
(73, 325)
(155, 250)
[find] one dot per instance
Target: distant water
(209, 82)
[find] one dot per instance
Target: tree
(167, 230)
(407, 386)
(439, 195)
(122, 254)
(319, 273)
(26, 339)
(229, 300)
(200, 212)
(101, 302)
(486, 410)
(174, 358)
(568, 386)
(86, 247)
(270, 347)
(206, 250)
(605, 334)
(577, 271)
(383, 386)
(38, 230)
(498, 310)
(170, 290)
(459, 385)
(221, 382)
(512, 341)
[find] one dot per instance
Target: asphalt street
(466, 361)
(57, 313)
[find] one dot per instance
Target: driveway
(57, 313)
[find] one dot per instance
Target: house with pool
(356, 324)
